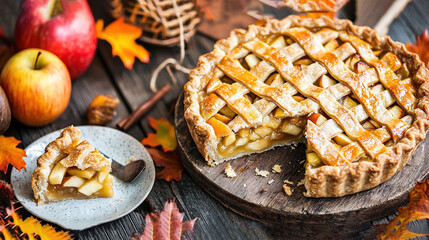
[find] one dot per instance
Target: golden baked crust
(71, 151)
(315, 5)
(324, 181)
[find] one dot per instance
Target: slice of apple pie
(71, 168)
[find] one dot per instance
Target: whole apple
(64, 27)
(38, 86)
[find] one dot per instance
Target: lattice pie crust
(359, 100)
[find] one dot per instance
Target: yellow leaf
(121, 37)
(31, 226)
(9, 153)
(164, 136)
(6, 233)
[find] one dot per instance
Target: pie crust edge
(325, 181)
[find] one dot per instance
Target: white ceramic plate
(82, 214)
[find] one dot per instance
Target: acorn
(5, 114)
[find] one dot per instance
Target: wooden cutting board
(252, 196)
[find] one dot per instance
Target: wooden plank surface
(108, 76)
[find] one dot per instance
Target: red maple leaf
(417, 209)
(167, 224)
(421, 47)
(170, 161)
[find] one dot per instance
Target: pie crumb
(262, 173)
(288, 182)
(301, 182)
(229, 171)
(287, 189)
(302, 161)
(277, 168)
(271, 181)
(119, 199)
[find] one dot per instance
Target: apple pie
(71, 168)
(359, 100)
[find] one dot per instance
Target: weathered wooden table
(107, 75)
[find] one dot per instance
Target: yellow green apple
(38, 86)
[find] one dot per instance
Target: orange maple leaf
(164, 136)
(417, 209)
(421, 47)
(9, 153)
(121, 37)
(170, 161)
(167, 224)
(31, 226)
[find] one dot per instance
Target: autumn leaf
(9, 153)
(167, 224)
(421, 47)
(417, 209)
(31, 226)
(6, 195)
(170, 161)
(121, 37)
(207, 13)
(164, 136)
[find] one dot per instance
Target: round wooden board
(252, 196)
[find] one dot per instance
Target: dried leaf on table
(121, 37)
(10, 154)
(417, 209)
(421, 47)
(167, 224)
(102, 109)
(16, 228)
(165, 135)
(170, 161)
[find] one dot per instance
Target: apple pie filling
(270, 121)
(74, 183)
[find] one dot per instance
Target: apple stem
(37, 58)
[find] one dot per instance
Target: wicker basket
(158, 19)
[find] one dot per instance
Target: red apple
(38, 86)
(64, 27)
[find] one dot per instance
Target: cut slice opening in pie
(359, 100)
(71, 168)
